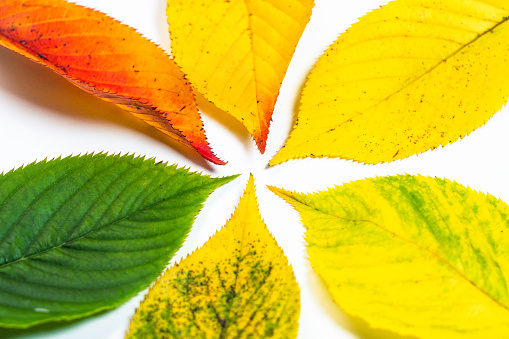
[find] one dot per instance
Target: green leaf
(420, 256)
(83, 234)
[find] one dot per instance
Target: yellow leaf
(408, 77)
(236, 52)
(420, 256)
(238, 285)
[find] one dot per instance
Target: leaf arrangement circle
(415, 255)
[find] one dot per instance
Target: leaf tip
(280, 192)
(261, 144)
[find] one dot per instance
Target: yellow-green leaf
(417, 255)
(238, 285)
(236, 52)
(408, 77)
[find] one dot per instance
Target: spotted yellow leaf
(408, 77)
(420, 256)
(238, 285)
(236, 52)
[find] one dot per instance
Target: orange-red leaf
(109, 60)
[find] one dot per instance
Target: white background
(43, 116)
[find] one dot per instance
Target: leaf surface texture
(236, 52)
(238, 285)
(82, 234)
(408, 77)
(108, 59)
(420, 256)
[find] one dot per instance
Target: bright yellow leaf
(238, 285)
(236, 52)
(420, 256)
(408, 77)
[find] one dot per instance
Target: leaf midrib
(90, 232)
(504, 20)
(235, 282)
(255, 73)
(261, 123)
(40, 194)
(435, 255)
(57, 181)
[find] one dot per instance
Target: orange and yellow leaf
(238, 285)
(408, 77)
(236, 52)
(108, 59)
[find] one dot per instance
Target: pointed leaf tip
(261, 143)
(280, 192)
